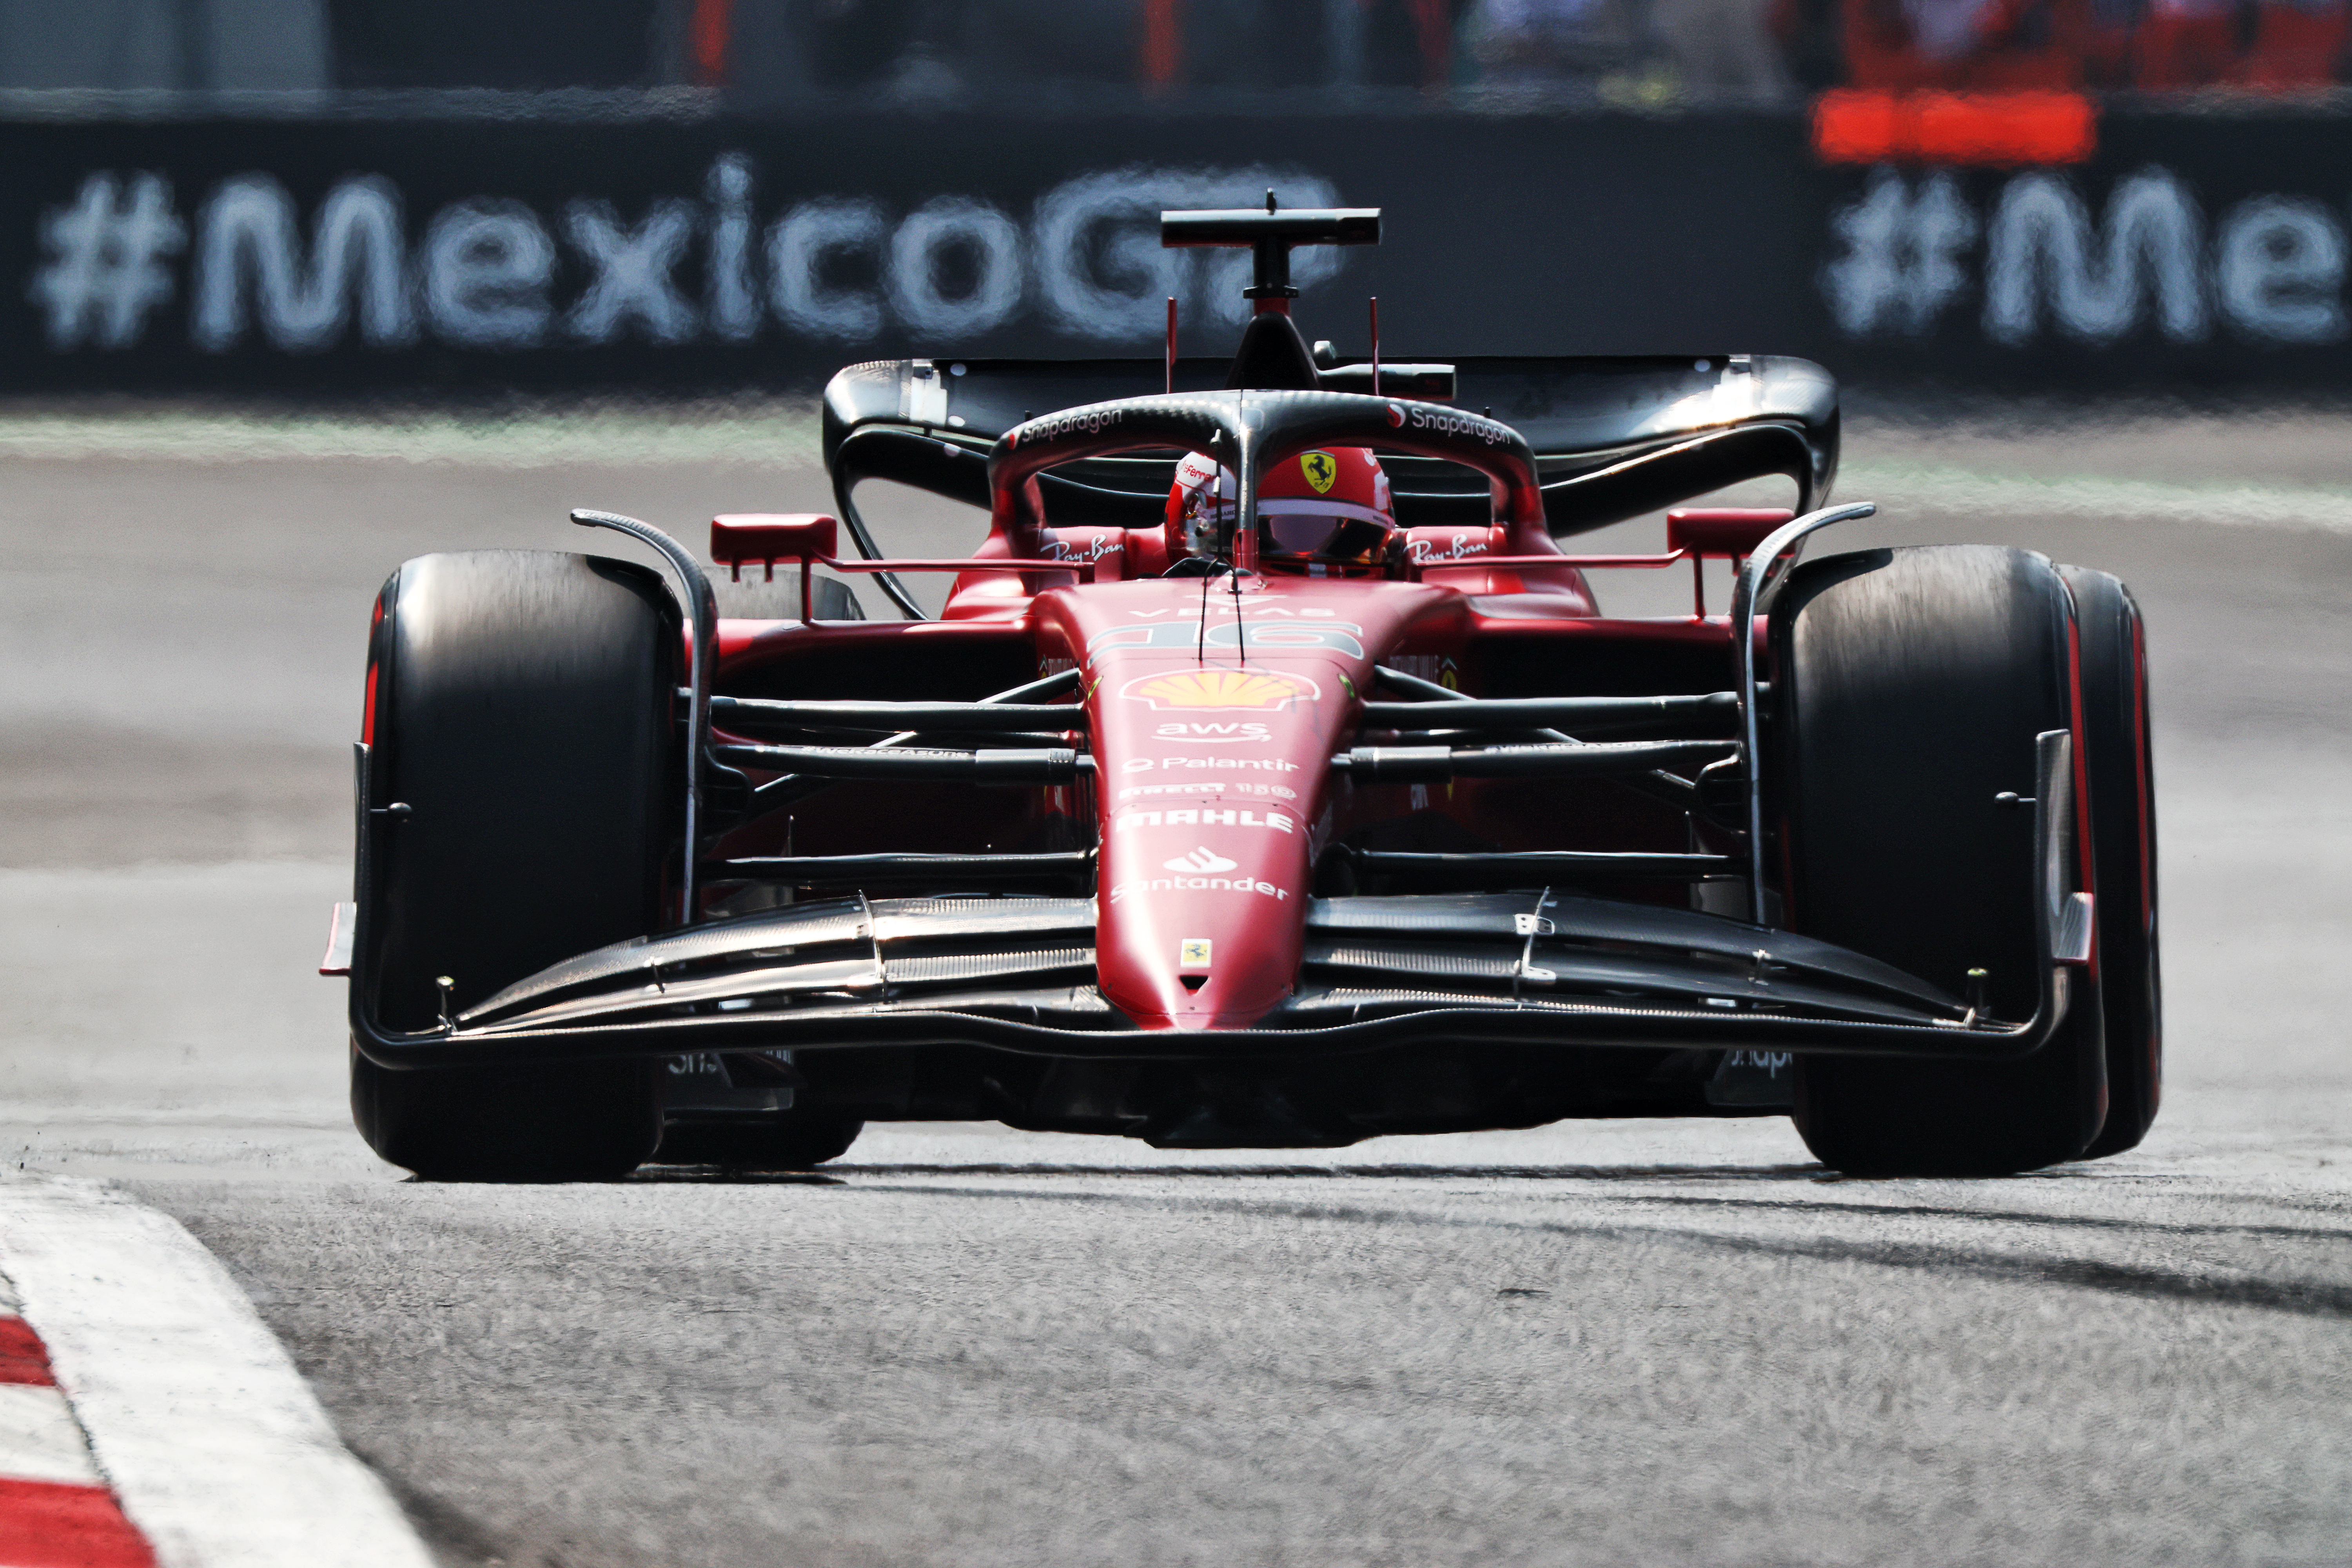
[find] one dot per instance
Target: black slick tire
(1912, 684)
(2122, 775)
(521, 707)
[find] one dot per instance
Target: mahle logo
(1320, 471)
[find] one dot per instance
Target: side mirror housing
(769, 537)
(1733, 531)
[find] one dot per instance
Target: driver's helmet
(1329, 506)
(1200, 505)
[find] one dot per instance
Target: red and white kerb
(55, 1510)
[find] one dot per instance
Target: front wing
(1018, 974)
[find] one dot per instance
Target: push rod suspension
(757, 713)
(1010, 766)
(1656, 783)
(1541, 712)
(1438, 764)
(1052, 864)
(1548, 866)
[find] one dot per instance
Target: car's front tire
(1912, 684)
(2122, 772)
(521, 708)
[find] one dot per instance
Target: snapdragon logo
(1445, 422)
(1091, 421)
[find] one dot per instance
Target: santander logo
(1202, 862)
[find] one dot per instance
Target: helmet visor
(1333, 530)
(1303, 533)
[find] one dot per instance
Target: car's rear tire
(794, 1142)
(2123, 829)
(1912, 686)
(521, 708)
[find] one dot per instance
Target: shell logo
(1194, 690)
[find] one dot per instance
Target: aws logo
(1217, 734)
(1221, 688)
(1321, 471)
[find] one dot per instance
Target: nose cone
(1214, 708)
(1207, 774)
(1206, 936)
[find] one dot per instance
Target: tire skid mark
(2309, 1299)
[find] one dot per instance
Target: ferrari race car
(1271, 778)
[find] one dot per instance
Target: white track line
(214, 1444)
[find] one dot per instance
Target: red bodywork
(1214, 711)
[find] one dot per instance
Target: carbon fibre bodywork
(1236, 847)
(1015, 973)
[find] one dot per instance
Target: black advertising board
(2190, 252)
(414, 256)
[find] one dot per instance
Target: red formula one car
(1272, 778)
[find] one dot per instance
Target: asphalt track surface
(1602, 1344)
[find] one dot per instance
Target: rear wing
(1613, 437)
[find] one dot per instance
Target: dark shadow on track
(720, 1176)
(842, 1174)
(1361, 1172)
(2300, 1297)
(455, 1535)
(2028, 1218)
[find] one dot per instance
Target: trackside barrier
(2097, 249)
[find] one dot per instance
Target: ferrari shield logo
(1221, 689)
(1320, 471)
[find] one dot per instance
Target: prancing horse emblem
(1320, 471)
